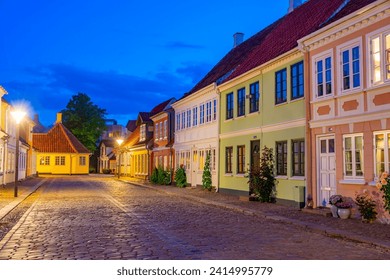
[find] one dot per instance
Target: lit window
(380, 57)
(382, 152)
(82, 161)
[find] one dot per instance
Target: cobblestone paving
(96, 218)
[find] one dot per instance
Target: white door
(194, 167)
(326, 170)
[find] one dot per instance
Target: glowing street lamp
(18, 116)
(119, 141)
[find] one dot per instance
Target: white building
(196, 133)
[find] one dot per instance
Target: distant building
(60, 152)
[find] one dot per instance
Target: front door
(326, 174)
(255, 154)
(194, 168)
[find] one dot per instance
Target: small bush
(206, 177)
(180, 177)
(366, 206)
(160, 176)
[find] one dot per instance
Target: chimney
(59, 118)
(238, 39)
(293, 5)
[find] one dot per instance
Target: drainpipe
(219, 140)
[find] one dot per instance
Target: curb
(307, 226)
(9, 207)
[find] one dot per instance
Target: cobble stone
(95, 218)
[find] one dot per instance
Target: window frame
(316, 59)
(229, 106)
(283, 86)
(59, 161)
(284, 158)
(229, 160)
(241, 159)
(301, 157)
(386, 156)
(349, 46)
(353, 156)
(82, 160)
(296, 79)
(254, 93)
(381, 34)
(241, 102)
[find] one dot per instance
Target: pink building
(348, 101)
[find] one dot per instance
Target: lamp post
(119, 141)
(17, 115)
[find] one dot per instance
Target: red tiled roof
(278, 38)
(160, 107)
(58, 140)
(131, 125)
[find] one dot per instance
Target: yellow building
(60, 152)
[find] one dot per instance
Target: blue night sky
(127, 55)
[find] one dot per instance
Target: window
(165, 129)
(323, 76)
(142, 135)
(241, 102)
(183, 120)
(178, 122)
(350, 63)
(189, 118)
(228, 160)
(215, 110)
(298, 157)
(195, 116)
(44, 160)
(60, 160)
(380, 57)
(281, 158)
(82, 160)
(382, 152)
(240, 159)
(208, 111)
(201, 111)
(254, 97)
(160, 133)
(353, 156)
(281, 86)
(297, 80)
(229, 106)
(156, 132)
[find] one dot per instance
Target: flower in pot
(366, 206)
(344, 207)
(333, 200)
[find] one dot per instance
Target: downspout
(219, 139)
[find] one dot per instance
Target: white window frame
(202, 115)
(386, 146)
(209, 109)
(353, 148)
(340, 49)
(322, 57)
(183, 120)
(381, 33)
(160, 134)
(142, 133)
(165, 129)
(156, 132)
(195, 116)
(189, 118)
(178, 121)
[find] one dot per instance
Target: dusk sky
(126, 55)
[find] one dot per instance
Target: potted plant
(333, 200)
(344, 207)
(366, 206)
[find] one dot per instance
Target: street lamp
(18, 116)
(119, 141)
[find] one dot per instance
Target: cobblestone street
(102, 218)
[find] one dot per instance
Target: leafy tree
(84, 119)
(206, 177)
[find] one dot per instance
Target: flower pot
(344, 213)
(333, 209)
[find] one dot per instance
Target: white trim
(356, 42)
(322, 57)
(386, 143)
(349, 119)
(353, 177)
(352, 182)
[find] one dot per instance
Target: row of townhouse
(314, 86)
(55, 152)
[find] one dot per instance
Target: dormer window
(142, 136)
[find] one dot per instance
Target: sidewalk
(314, 220)
(25, 188)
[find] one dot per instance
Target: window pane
(331, 145)
(323, 146)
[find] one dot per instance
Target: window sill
(353, 182)
(297, 99)
(254, 113)
(283, 177)
(240, 175)
(298, 178)
(229, 120)
(321, 99)
(240, 117)
(228, 175)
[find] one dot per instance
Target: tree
(206, 177)
(84, 119)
